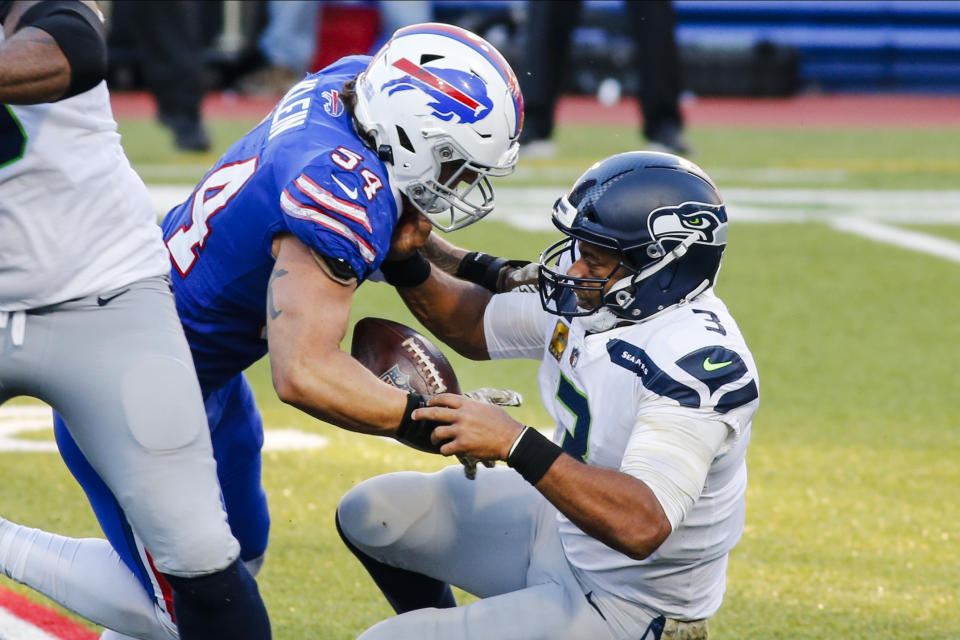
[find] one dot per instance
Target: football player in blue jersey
(355, 161)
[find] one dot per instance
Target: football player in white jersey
(619, 526)
(88, 324)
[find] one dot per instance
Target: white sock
(84, 575)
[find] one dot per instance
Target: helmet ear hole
(405, 140)
(666, 276)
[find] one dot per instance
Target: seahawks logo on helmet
(708, 223)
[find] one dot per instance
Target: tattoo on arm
(271, 306)
(443, 255)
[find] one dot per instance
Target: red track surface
(43, 618)
(853, 111)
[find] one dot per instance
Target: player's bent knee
(179, 423)
(195, 556)
(197, 565)
(378, 512)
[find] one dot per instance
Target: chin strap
(601, 320)
(622, 293)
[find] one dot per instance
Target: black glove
(416, 433)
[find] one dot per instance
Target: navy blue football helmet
(664, 217)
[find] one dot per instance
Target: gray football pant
(122, 377)
(495, 537)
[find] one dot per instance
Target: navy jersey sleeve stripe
(738, 397)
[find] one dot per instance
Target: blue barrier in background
(859, 45)
(843, 45)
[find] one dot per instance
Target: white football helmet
(446, 107)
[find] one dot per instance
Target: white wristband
(513, 447)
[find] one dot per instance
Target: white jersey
(692, 359)
(75, 219)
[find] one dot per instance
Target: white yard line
(17, 419)
(865, 212)
(933, 245)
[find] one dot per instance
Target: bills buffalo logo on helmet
(455, 93)
(705, 221)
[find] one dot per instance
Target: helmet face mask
(436, 94)
(460, 195)
(568, 295)
(664, 219)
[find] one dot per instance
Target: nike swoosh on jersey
(103, 300)
(711, 366)
(352, 193)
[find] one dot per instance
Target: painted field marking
(529, 207)
(867, 213)
(13, 628)
(16, 419)
(905, 238)
(23, 619)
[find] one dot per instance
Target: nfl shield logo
(397, 378)
(574, 356)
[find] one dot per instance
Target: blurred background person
(394, 15)
(166, 36)
(652, 24)
(303, 36)
(288, 44)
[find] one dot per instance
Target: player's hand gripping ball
(401, 356)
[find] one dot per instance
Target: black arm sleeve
(5, 6)
(79, 33)
(485, 270)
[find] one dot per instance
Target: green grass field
(853, 524)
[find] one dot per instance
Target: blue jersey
(303, 170)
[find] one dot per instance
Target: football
(403, 357)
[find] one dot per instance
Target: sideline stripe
(13, 628)
(23, 619)
(896, 236)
